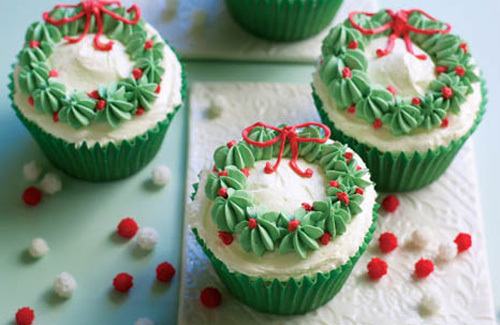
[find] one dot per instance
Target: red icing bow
(94, 8)
(400, 27)
(288, 133)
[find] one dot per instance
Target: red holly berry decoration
(326, 238)
(388, 242)
(222, 173)
(377, 124)
(139, 111)
(352, 109)
(34, 44)
(32, 196)
(423, 268)
(94, 95)
(127, 228)
(148, 45)
(343, 197)
(231, 144)
(334, 184)
(447, 92)
(100, 105)
(445, 122)
(348, 156)
(416, 101)
(460, 71)
(137, 73)
(165, 272)
(25, 316)
(53, 74)
(222, 192)
(346, 73)
(377, 268)
(252, 223)
(440, 69)
(464, 47)
(391, 90)
(246, 172)
(293, 224)
(226, 237)
(210, 297)
(307, 206)
(353, 45)
(359, 190)
(390, 203)
(31, 101)
(123, 282)
(463, 241)
(55, 116)
(158, 89)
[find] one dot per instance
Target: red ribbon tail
(409, 48)
(85, 31)
(97, 39)
(268, 169)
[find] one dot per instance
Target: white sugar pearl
(65, 285)
(144, 321)
(147, 238)
(161, 175)
(446, 252)
(430, 304)
(51, 183)
(38, 247)
(32, 171)
(421, 238)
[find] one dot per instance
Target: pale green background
(79, 222)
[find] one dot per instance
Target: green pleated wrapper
(292, 296)
(401, 172)
(100, 163)
(284, 20)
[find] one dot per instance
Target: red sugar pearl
(34, 44)
(139, 111)
(100, 105)
(387, 242)
(423, 268)
(307, 206)
(25, 316)
(127, 228)
(445, 122)
(359, 190)
(246, 172)
(148, 45)
(158, 89)
(343, 197)
(352, 109)
(55, 117)
(346, 73)
(464, 47)
(231, 144)
(32, 196)
(137, 73)
(325, 238)
(358, 168)
(441, 69)
(165, 272)
(222, 173)
(463, 241)
(31, 101)
(123, 282)
(353, 45)
(53, 74)
(391, 90)
(348, 156)
(210, 297)
(222, 192)
(377, 268)
(416, 101)
(334, 184)
(226, 237)
(94, 95)
(252, 223)
(447, 92)
(460, 71)
(293, 224)
(377, 124)
(390, 203)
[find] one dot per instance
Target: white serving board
(203, 29)
(448, 206)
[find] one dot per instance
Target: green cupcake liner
(401, 172)
(292, 296)
(283, 20)
(100, 163)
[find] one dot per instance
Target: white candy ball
(144, 321)
(38, 247)
(161, 175)
(65, 285)
(421, 238)
(32, 171)
(446, 252)
(147, 238)
(51, 183)
(430, 304)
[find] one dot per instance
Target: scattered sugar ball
(421, 237)
(161, 175)
(144, 321)
(423, 268)
(377, 268)
(127, 228)
(32, 196)
(388, 242)
(123, 282)
(25, 316)
(390, 203)
(147, 238)
(32, 171)
(65, 285)
(217, 106)
(165, 272)
(463, 241)
(430, 304)
(51, 183)
(38, 248)
(210, 297)
(446, 252)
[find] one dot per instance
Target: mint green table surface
(79, 222)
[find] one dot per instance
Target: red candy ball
(25, 316)
(423, 268)
(127, 228)
(326, 238)
(377, 124)
(307, 206)
(293, 224)
(123, 282)
(32, 196)
(222, 192)
(377, 268)
(226, 237)
(388, 242)
(210, 297)
(137, 73)
(390, 203)
(165, 272)
(463, 241)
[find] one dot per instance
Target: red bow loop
(288, 133)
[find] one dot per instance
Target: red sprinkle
(463, 241)
(390, 203)
(94, 95)
(391, 90)
(210, 297)
(100, 105)
(416, 101)
(123, 282)
(222, 173)
(346, 73)
(246, 172)
(307, 206)
(464, 47)
(31, 101)
(293, 224)
(252, 223)
(139, 111)
(55, 116)
(148, 45)
(158, 89)
(334, 184)
(423, 268)
(32, 196)
(231, 144)
(325, 239)
(137, 73)
(165, 272)
(226, 237)
(222, 192)
(343, 197)
(359, 190)
(352, 109)
(127, 228)
(34, 44)
(53, 74)
(445, 122)
(377, 124)
(25, 316)
(447, 92)
(460, 71)
(353, 45)
(388, 242)
(377, 268)
(441, 69)
(348, 156)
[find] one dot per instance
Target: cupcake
(284, 215)
(402, 91)
(97, 87)
(283, 20)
